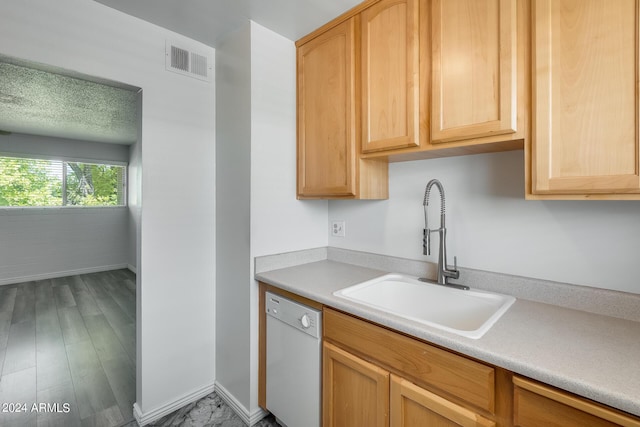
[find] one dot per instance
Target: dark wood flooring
(69, 341)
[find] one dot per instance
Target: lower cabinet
(355, 392)
(376, 377)
(373, 376)
(413, 406)
(537, 404)
(360, 393)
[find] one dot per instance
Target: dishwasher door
(293, 362)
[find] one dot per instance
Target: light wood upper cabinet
(329, 165)
(413, 406)
(327, 113)
(390, 71)
(585, 98)
(394, 80)
(474, 69)
(355, 392)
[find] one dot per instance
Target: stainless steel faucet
(444, 273)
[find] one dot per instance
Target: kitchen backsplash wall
(491, 227)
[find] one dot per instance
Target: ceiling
(40, 100)
(209, 20)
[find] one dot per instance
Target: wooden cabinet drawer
(437, 369)
(413, 406)
(539, 405)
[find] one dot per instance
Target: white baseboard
(249, 418)
(137, 414)
(156, 414)
(56, 274)
(133, 269)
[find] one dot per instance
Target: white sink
(469, 313)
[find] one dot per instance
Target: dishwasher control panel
(299, 316)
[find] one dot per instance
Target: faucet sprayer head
(425, 202)
(426, 233)
(427, 191)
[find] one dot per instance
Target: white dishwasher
(293, 362)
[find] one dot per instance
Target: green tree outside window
(34, 182)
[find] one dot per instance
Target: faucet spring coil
(427, 191)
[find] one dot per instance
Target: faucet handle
(453, 274)
(426, 241)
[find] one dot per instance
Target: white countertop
(592, 355)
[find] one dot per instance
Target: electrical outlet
(337, 228)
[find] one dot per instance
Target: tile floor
(210, 411)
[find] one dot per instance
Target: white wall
(256, 157)
(54, 242)
(39, 243)
(176, 295)
(279, 222)
(233, 156)
(491, 227)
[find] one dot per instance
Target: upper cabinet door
(390, 75)
(585, 97)
(474, 75)
(327, 138)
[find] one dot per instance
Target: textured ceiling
(40, 102)
(209, 20)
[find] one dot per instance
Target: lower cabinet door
(355, 392)
(413, 406)
(536, 405)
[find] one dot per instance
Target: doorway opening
(68, 282)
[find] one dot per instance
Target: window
(38, 183)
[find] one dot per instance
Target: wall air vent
(187, 62)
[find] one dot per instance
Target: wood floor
(68, 341)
